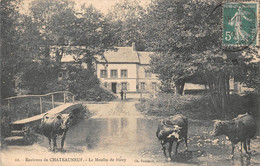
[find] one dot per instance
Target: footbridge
(25, 112)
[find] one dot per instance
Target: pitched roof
(126, 55)
(144, 57)
(120, 55)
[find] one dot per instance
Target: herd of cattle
(240, 129)
(173, 129)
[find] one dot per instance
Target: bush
(97, 93)
(5, 122)
(198, 106)
(195, 107)
(81, 82)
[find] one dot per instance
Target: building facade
(126, 69)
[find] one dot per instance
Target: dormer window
(148, 74)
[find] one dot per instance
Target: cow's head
(218, 128)
(65, 121)
(175, 133)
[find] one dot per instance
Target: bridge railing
(25, 106)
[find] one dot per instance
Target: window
(154, 85)
(142, 86)
(148, 74)
(113, 74)
(123, 73)
(124, 85)
(103, 73)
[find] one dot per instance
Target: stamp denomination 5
(240, 24)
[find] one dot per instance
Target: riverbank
(198, 107)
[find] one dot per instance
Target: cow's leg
(186, 142)
(170, 150)
(163, 147)
(62, 143)
(241, 149)
(176, 148)
(248, 144)
(246, 147)
(49, 143)
(54, 144)
(232, 152)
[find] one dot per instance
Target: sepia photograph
(130, 82)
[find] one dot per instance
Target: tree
(10, 57)
(53, 19)
(91, 31)
(177, 30)
(126, 20)
(46, 26)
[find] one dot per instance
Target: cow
(240, 129)
(55, 125)
(175, 128)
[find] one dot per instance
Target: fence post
(41, 104)
(52, 99)
(64, 97)
(73, 99)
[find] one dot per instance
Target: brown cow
(173, 129)
(54, 125)
(240, 129)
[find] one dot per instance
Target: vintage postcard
(130, 82)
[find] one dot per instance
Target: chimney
(133, 46)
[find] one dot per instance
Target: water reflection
(117, 134)
(136, 136)
(245, 160)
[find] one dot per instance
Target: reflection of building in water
(122, 130)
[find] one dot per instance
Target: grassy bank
(197, 106)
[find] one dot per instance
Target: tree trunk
(227, 88)
(213, 96)
(179, 84)
(223, 95)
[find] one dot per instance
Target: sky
(102, 5)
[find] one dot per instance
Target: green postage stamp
(240, 24)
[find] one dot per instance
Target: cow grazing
(173, 129)
(54, 125)
(240, 129)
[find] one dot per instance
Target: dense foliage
(186, 35)
(28, 38)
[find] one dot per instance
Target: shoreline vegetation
(197, 107)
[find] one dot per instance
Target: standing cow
(173, 129)
(240, 129)
(54, 125)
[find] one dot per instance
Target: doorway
(114, 87)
